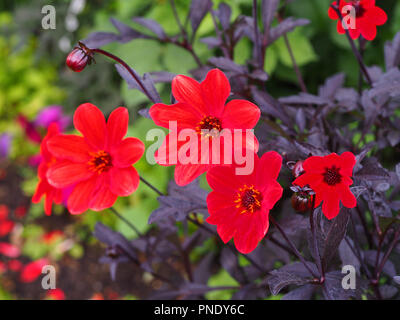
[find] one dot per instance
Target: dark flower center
(248, 199)
(332, 176)
(359, 8)
(101, 162)
(209, 126)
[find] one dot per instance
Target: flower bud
(297, 169)
(302, 202)
(79, 58)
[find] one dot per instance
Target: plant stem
(296, 252)
(257, 41)
(315, 243)
(386, 256)
(151, 186)
(126, 221)
(353, 46)
(129, 69)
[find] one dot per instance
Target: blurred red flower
(55, 294)
(202, 106)
(33, 270)
(367, 17)
(239, 205)
(15, 265)
(43, 188)
(329, 177)
(52, 236)
(99, 164)
(9, 250)
(4, 211)
(5, 227)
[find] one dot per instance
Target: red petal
(186, 173)
(348, 163)
(184, 115)
(332, 13)
(315, 165)
(69, 147)
(102, 198)
(368, 30)
(330, 206)
(347, 198)
(355, 33)
(128, 152)
(9, 250)
(215, 90)
(217, 201)
(377, 16)
(224, 179)
(167, 154)
(80, 197)
(240, 114)
(123, 181)
(89, 120)
(64, 173)
(246, 242)
(188, 91)
(268, 168)
(271, 195)
(117, 126)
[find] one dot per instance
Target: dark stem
(257, 40)
(353, 46)
(126, 221)
(151, 186)
(295, 66)
(296, 252)
(365, 227)
(181, 28)
(386, 256)
(315, 243)
(128, 68)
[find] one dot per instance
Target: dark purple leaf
(224, 15)
(99, 39)
(114, 239)
(162, 76)
(335, 235)
(198, 10)
(230, 263)
(334, 290)
(293, 274)
(211, 42)
(268, 10)
(285, 26)
(392, 52)
(331, 85)
(126, 32)
(152, 25)
(370, 258)
(303, 293)
(180, 202)
(304, 99)
(227, 64)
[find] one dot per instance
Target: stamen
(332, 176)
(101, 161)
(211, 125)
(248, 199)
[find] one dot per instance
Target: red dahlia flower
(9, 250)
(329, 177)
(240, 205)
(99, 164)
(43, 188)
(202, 106)
(367, 17)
